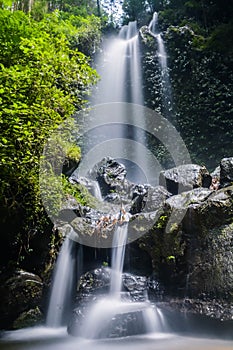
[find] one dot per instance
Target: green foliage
(135, 10)
(161, 223)
(221, 39)
(43, 80)
(198, 37)
(171, 258)
(202, 81)
(79, 192)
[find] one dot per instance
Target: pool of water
(41, 338)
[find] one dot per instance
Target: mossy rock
(19, 293)
(28, 318)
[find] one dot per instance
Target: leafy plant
(43, 80)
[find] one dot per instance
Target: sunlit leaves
(44, 78)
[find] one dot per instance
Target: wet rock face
(216, 309)
(28, 318)
(20, 293)
(97, 282)
(187, 235)
(195, 256)
(148, 198)
(226, 172)
(184, 178)
(110, 175)
(100, 223)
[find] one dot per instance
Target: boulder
(193, 254)
(95, 281)
(110, 175)
(156, 197)
(93, 288)
(226, 172)
(19, 294)
(216, 173)
(184, 178)
(216, 309)
(29, 318)
(98, 282)
(109, 325)
(139, 198)
(147, 198)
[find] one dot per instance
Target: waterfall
(153, 23)
(162, 59)
(118, 257)
(153, 319)
(121, 81)
(96, 190)
(117, 307)
(62, 285)
(130, 36)
(120, 69)
(121, 78)
(162, 55)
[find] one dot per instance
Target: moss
(174, 227)
(162, 221)
(28, 318)
(80, 193)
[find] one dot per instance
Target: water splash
(118, 310)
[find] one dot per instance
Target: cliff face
(198, 100)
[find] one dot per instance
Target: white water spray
(117, 304)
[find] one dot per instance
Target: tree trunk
(98, 8)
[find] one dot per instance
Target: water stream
(62, 284)
(119, 66)
(166, 90)
(118, 256)
(56, 339)
(96, 191)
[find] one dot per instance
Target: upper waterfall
(119, 67)
(167, 108)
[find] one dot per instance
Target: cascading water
(118, 255)
(63, 281)
(119, 66)
(96, 191)
(120, 69)
(121, 81)
(107, 309)
(162, 58)
(117, 305)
